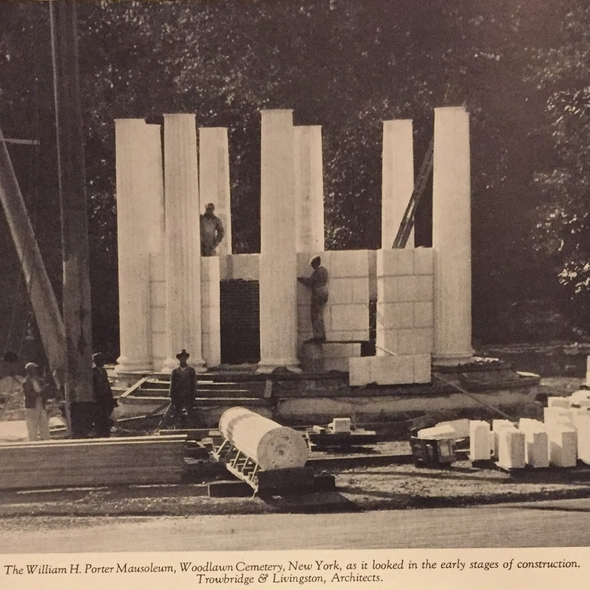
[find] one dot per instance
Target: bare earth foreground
(359, 489)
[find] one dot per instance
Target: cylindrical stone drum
(271, 445)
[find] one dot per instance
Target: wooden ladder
(409, 218)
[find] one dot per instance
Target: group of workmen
(183, 380)
(38, 391)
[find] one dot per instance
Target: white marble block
(563, 450)
(558, 402)
(480, 448)
(359, 371)
(438, 431)
(497, 425)
(511, 448)
(423, 369)
(582, 425)
(536, 442)
(556, 415)
(392, 370)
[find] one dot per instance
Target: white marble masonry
(558, 402)
(405, 294)
(451, 236)
(309, 188)
(536, 442)
(214, 181)
(581, 419)
(511, 448)
(397, 178)
(389, 370)
(210, 311)
(480, 448)
(347, 312)
(563, 447)
(183, 248)
(278, 258)
(140, 210)
(497, 425)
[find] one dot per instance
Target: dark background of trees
(522, 68)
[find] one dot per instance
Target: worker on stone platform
(105, 401)
(212, 231)
(183, 388)
(318, 283)
(36, 392)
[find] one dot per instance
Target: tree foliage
(345, 65)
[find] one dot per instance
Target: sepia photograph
(295, 291)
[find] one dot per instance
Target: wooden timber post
(74, 222)
(42, 296)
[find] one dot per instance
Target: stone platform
(316, 398)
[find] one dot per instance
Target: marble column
(309, 188)
(183, 248)
(154, 203)
(397, 178)
(133, 230)
(214, 182)
(278, 258)
(451, 236)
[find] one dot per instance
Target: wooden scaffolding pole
(43, 300)
(74, 222)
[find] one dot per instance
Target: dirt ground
(358, 488)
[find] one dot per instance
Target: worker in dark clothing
(105, 402)
(318, 283)
(183, 388)
(212, 231)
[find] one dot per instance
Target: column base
(170, 364)
(269, 365)
(126, 365)
(451, 360)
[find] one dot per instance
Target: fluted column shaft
(451, 221)
(278, 259)
(397, 178)
(309, 188)
(183, 248)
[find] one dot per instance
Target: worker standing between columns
(183, 388)
(212, 231)
(105, 402)
(36, 393)
(318, 283)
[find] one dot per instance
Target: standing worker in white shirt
(36, 390)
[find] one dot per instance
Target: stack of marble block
(346, 316)
(328, 356)
(405, 320)
(560, 440)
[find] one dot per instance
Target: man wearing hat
(183, 388)
(105, 402)
(212, 231)
(36, 391)
(318, 283)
